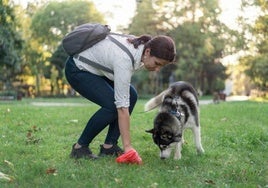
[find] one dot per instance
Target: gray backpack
(85, 36)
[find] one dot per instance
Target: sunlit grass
(35, 142)
(260, 99)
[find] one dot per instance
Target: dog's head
(167, 130)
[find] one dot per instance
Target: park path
(201, 102)
(228, 99)
(58, 104)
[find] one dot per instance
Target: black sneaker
(115, 150)
(83, 152)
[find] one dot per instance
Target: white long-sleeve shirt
(109, 55)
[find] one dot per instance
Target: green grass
(35, 142)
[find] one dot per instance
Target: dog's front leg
(197, 138)
(178, 148)
(164, 154)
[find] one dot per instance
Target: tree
(50, 24)
(10, 45)
(257, 63)
(144, 22)
(257, 69)
(201, 39)
(54, 20)
(149, 19)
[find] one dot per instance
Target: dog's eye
(163, 136)
(166, 136)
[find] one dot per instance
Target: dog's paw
(165, 154)
(200, 150)
(177, 157)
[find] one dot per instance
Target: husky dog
(179, 109)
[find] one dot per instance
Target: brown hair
(161, 46)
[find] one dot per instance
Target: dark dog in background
(179, 109)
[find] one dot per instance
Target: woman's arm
(124, 127)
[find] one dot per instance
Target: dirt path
(57, 104)
(202, 102)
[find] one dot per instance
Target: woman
(110, 87)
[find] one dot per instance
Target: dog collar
(176, 113)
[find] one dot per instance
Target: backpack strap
(120, 45)
(93, 64)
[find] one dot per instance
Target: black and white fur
(179, 109)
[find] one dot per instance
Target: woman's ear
(147, 52)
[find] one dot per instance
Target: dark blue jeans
(99, 90)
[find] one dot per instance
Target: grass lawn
(35, 142)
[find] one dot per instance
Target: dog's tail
(155, 101)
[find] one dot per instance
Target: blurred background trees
(199, 35)
(48, 27)
(32, 58)
(11, 45)
(256, 62)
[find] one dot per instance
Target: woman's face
(152, 63)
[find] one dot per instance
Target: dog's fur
(179, 109)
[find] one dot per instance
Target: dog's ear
(150, 131)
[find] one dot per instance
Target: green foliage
(145, 22)
(10, 45)
(54, 20)
(49, 25)
(36, 141)
(201, 39)
(256, 65)
(201, 42)
(257, 69)
(58, 59)
(150, 19)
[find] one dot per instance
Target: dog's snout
(163, 158)
(177, 138)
